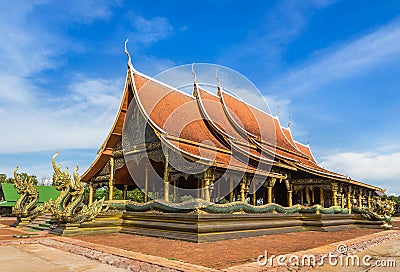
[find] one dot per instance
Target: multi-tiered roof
(221, 124)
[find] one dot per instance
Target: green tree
(136, 195)
(5, 179)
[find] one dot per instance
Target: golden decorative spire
(194, 81)
(218, 83)
(130, 66)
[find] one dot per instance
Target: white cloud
(149, 31)
(81, 119)
(379, 169)
(355, 57)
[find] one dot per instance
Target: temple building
(239, 152)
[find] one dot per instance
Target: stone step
(42, 222)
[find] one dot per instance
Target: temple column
(242, 189)
(312, 195)
(254, 197)
(202, 189)
(308, 199)
(208, 177)
(289, 193)
(271, 184)
(342, 199)
(111, 180)
(290, 198)
(198, 189)
(175, 190)
(218, 195)
(166, 177)
(91, 193)
(360, 198)
(334, 187)
(321, 196)
(302, 196)
(231, 189)
(146, 182)
(125, 192)
(369, 200)
(349, 200)
(206, 190)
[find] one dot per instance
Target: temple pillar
(308, 198)
(146, 182)
(154, 191)
(166, 177)
(208, 177)
(369, 200)
(290, 198)
(360, 200)
(334, 187)
(231, 189)
(175, 190)
(206, 190)
(271, 184)
(242, 189)
(289, 193)
(125, 192)
(91, 193)
(254, 197)
(312, 195)
(302, 196)
(111, 180)
(342, 199)
(198, 193)
(321, 196)
(218, 194)
(349, 200)
(202, 189)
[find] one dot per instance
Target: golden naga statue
(28, 196)
(385, 207)
(69, 207)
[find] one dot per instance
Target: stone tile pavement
(50, 253)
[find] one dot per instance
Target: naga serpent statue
(25, 207)
(28, 196)
(69, 207)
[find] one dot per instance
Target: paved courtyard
(121, 252)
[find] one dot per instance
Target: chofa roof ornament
(130, 66)
(194, 81)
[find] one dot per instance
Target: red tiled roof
(209, 128)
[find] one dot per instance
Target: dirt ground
(223, 254)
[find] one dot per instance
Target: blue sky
(332, 66)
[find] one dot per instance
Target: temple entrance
(280, 193)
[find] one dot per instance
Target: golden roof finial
(218, 83)
(129, 56)
(194, 81)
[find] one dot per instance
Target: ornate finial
(277, 113)
(218, 83)
(129, 56)
(288, 125)
(194, 81)
(308, 141)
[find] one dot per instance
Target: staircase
(42, 222)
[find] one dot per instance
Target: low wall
(199, 227)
